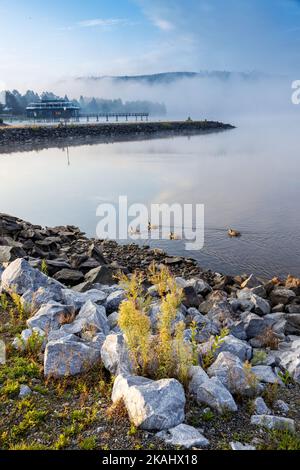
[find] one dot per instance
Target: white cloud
(102, 22)
(162, 24)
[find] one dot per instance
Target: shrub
(163, 355)
(208, 358)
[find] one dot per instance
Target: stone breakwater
(75, 308)
(25, 138)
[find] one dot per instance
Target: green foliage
(133, 430)
(259, 357)
(194, 328)
(209, 356)
(89, 443)
(62, 442)
(270, 393)
(281, 440)
(207, 416)
(285, 377)
(31, 419)
(10, 389)
(44, 267)
(4, 302)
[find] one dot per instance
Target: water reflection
(247, 178)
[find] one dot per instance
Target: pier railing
(96, 117)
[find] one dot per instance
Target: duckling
(134, 231)
(173, 236)
(234, 233)
(151, 226)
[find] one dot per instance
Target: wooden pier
(116, 116)
(90, 117)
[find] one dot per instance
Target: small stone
(25, 391)
(261, 407)
(281, 406)
(273, 422)
(183, 436)
(239, 446)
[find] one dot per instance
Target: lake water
(247, 178)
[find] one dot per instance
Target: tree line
(17, 103)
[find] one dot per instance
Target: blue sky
(43, 40)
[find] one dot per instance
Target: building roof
(51, 105)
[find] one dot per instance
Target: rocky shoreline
(242, 388)
(37, 137)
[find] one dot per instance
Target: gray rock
(239, 446)
(78, 299)
(51, 317)
(191, 299)
(290, 360)
(101, 275)
(293, 308)
(180, 282)
(197, 376)
(25, 391)
(281, 406)
(69, 277)
(212, 299)
(113, 319)
(241, 305)
(153, 291)
(114, 300)
(151, 405)
(42, 296)
(201, 287)
(292, 326)
(183, 436)
(253, 325)
(281, 295)
(273, 422)
(91, 317)
(10, 253)
(261, 306)
(261, 407)
(20, 277)
(231, 372)
(68, 356)
(265, 374)
(115, 355)
(154, 313)
(237, 347)
(211, 392)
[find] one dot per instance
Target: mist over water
(247, 178)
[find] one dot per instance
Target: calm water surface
(248, 179)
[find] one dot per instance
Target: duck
(173, 236)
(134, 231)
(152, 227)
(234, 233)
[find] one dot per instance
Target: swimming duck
(134, 231)
(152, 227)
(173, 236)
(233, 233)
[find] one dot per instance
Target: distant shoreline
(38, 137)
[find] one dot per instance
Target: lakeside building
(53, 109)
